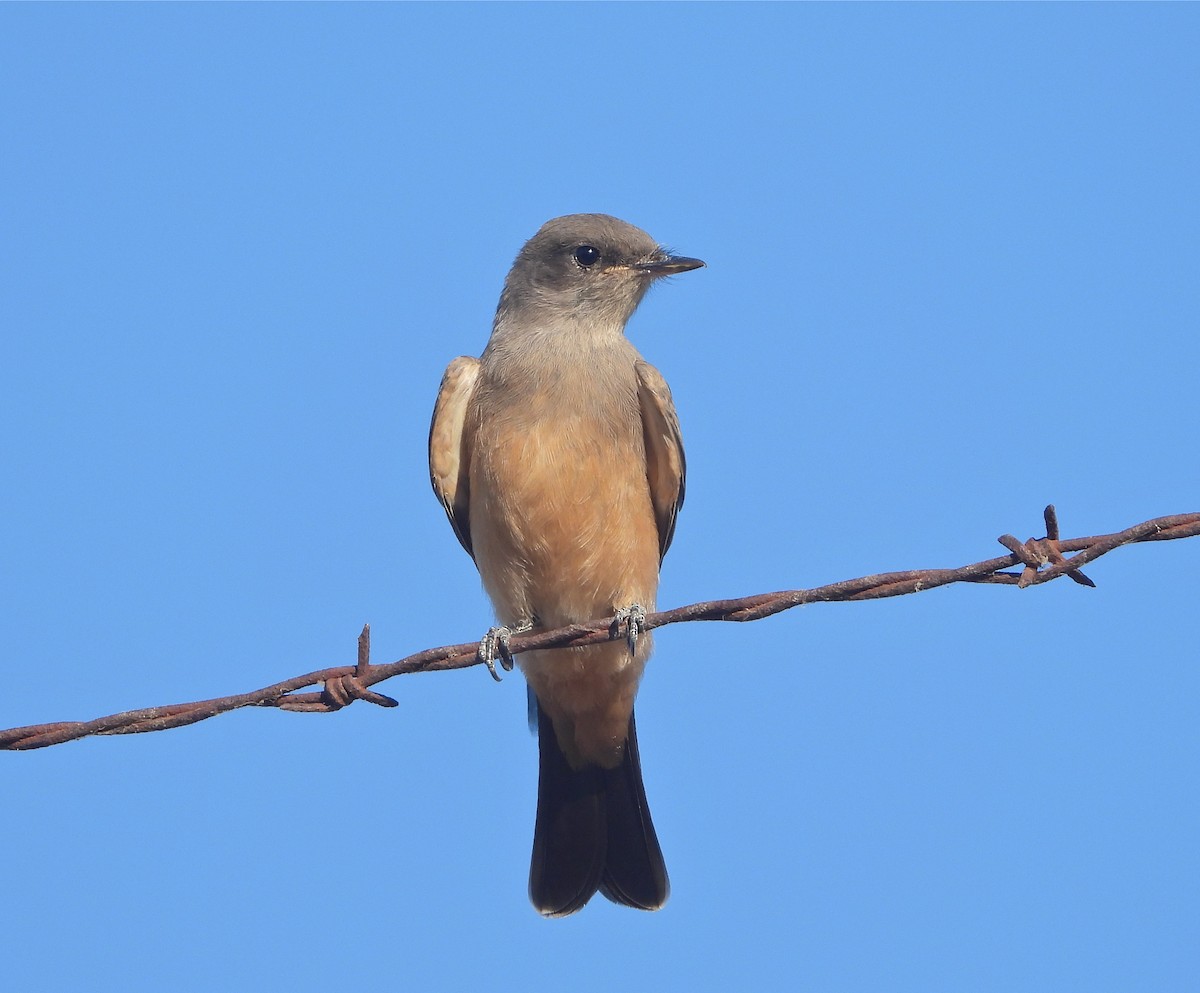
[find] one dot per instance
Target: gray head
(589, 267)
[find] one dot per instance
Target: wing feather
(450, 445)
(666, 468)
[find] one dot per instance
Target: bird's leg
(494, 645)
(632, 620)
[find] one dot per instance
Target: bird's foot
(494, 645)
(632, 620)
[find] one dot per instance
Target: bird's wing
(666, 468)
(450, 445)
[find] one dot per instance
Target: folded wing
(450, 445)
(666, 468)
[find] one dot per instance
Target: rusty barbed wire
(343, 685)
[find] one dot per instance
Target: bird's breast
(561, 518)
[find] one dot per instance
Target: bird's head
(586, 267)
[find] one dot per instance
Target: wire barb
(1044, 560)
(341, 691)
(1037, 552)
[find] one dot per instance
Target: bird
(558, 459)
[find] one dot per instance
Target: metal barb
(1038, 552)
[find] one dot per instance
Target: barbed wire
(1042, 559)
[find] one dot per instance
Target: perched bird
(558, 459)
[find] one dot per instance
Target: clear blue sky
(953, 267)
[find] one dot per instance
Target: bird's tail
(593, 832)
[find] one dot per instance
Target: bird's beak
(667, 265)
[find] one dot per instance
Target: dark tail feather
(634, 871)
(593, 832)
(569, 838)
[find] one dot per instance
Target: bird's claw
(632, 620)
(494, 645)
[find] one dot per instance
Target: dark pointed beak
(668, 265)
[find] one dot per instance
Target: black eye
(586, 256)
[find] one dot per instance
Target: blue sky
(952, 276)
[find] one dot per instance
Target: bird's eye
(586, 256)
